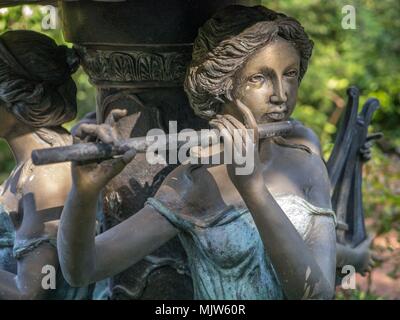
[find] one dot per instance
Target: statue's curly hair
(226, 42)
(35, 79)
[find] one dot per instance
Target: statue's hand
(363, 261)
(92, 177)
(89, 118)
(241, 145)
(365, 150)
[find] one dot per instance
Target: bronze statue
(269, 234)
(37, 96)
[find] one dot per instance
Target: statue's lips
(277, 116)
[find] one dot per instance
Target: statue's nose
(278, 100)
(278, 97)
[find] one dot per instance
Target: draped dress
(226, 256)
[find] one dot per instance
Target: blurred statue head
(35, 79)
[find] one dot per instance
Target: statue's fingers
(372, 263)
(226, 124)
(374, 136)
(78, 132)
(376, 258)
(368, 144)
(366, 155)
(249, 120)
(115, 115)
(235, 121)
(224, 133)
(248, 117)
(129, 155)
(85, 129)
(111, 168)
(89, 139)
(104, 134)
(74, 128)
(76, 140)
(240, 126)
(112, 134)
(234, 132)
(363, 148)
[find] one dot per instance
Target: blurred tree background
(368, 57)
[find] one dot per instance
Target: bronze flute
(102, 151)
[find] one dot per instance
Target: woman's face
(268, 82)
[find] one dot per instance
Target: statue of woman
(269, 234)
(37, 96)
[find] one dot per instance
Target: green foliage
(356, 295)
(366, 57)
(381, 192)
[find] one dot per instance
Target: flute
(102, 151)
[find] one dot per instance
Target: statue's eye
(291, 73)
(257, 78)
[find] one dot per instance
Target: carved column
(136, 53)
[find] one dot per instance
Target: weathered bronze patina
(269, 234)
(37, 96)
(245, 69)
(136, 54)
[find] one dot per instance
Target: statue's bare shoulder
(317, 184)
(306, 136)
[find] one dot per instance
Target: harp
(345, 169)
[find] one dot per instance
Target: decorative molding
(135, 67)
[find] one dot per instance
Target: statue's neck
(22, 141)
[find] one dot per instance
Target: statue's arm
(85, 259)
(302, 269)
(41, 205)
(305, 270)
(27, 284)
